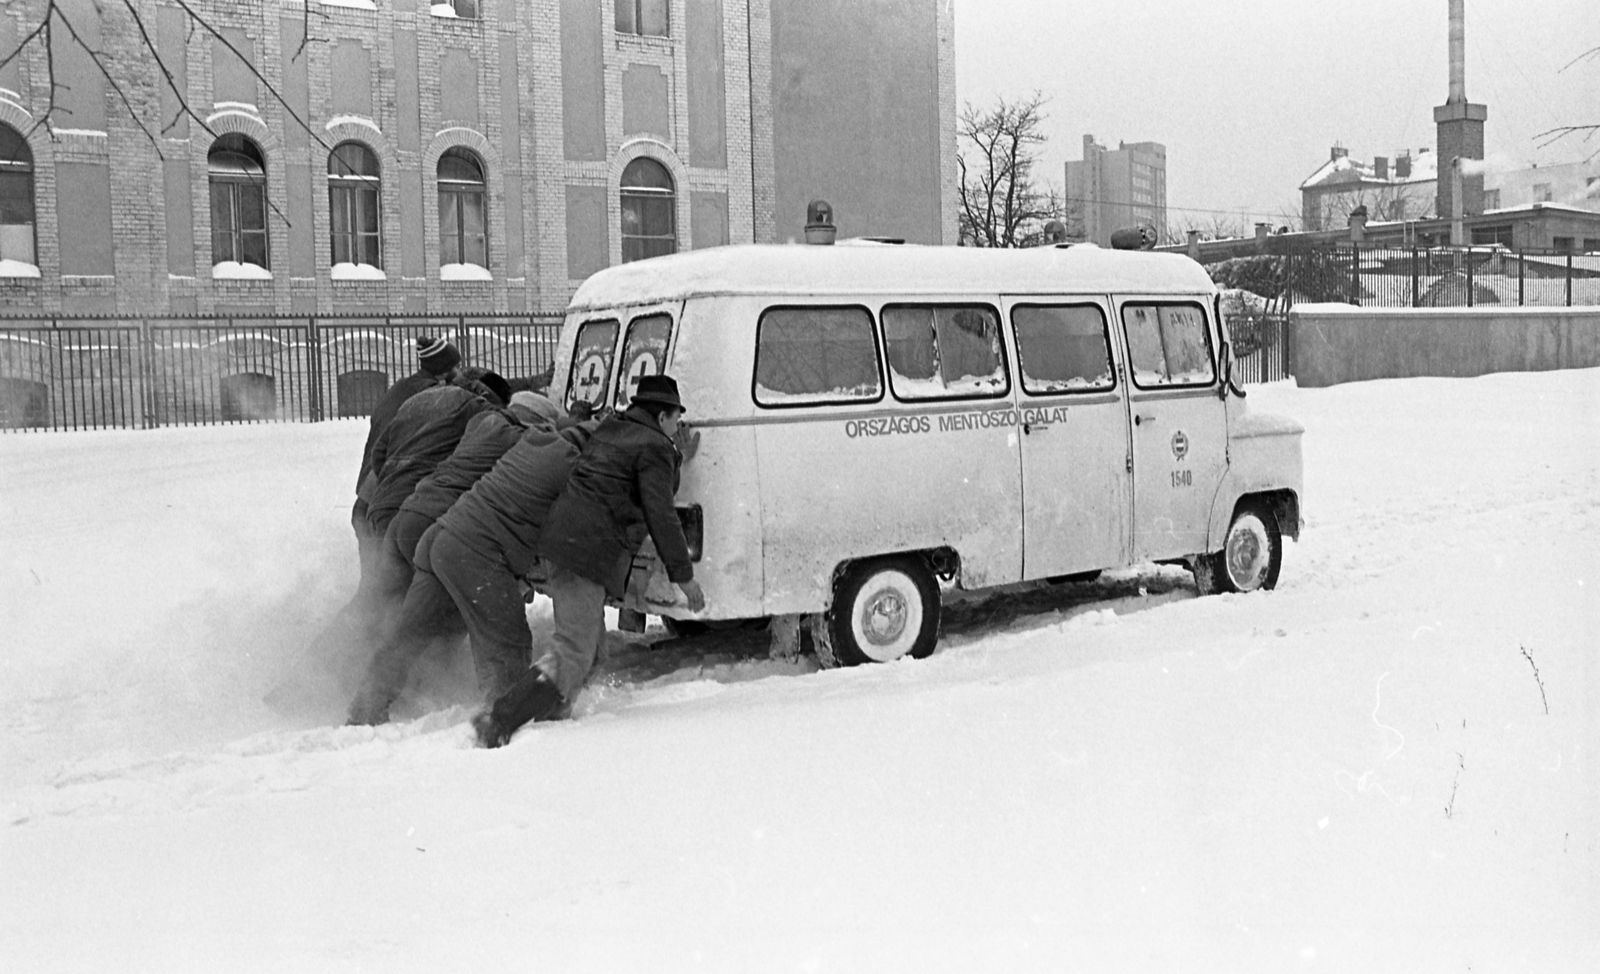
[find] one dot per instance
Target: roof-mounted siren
(1141, 237)
(1055, 232)
(819, 222)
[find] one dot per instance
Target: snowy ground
(1385, 765)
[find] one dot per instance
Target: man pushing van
(620, 490)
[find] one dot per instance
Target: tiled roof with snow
(1424, 168)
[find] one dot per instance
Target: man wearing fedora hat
(620, 490)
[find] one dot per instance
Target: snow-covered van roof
(866, 268)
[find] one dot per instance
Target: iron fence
(96, 373)
(1449, 277)
(1261, 348)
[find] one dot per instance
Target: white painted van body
(1024, 479)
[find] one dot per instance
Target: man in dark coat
(422, 435)
(620, 491)
(440, 362)
(468, 570)
(488, 436)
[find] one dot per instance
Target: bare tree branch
(95, 57)
(271, 88)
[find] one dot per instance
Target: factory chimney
(1459, 127)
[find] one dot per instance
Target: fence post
(1569, 278)
(314, 367)
(1522, 266)
(462, 344)
(1416, 298)
(1469, 277)
(1355, 273)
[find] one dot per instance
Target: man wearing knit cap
(440, 361)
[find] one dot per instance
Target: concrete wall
(1340, 343)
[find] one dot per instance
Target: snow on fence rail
(95, 373)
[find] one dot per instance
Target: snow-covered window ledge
(346, 271)
(232, 270)
(464, 272)
(352, 4)
(448, 11)
(17, 268)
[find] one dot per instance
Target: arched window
(353, 206)
(238, 202)
(16, 197)
(463, 210)
(649, 211)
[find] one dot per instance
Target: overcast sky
(1249, 95)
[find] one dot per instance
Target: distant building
(1576, 185)
(1116, 188)
(1399, 189)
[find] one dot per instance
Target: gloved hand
(693, 594)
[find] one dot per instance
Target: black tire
(883, 610)
(1251, 555)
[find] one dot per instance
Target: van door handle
(1143, 418)
(1031, 427)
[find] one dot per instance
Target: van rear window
(942, 351)
(815, 355)
(1168, 344)
(591, 363)
(1063, 348)
(644, 352)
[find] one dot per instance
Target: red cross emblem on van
(1180, 445)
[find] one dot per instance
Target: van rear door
(1180, 437)
(1073, 421)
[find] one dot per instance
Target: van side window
(591, 363)
(1063, 348)
(1168, 344)
(945, 350)
(644, 352)
(815, 355)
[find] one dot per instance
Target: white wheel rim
(886, 616)
(1248, 554)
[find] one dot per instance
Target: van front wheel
(883, 610)
(1251, 555)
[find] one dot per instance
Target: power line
(1170, 207)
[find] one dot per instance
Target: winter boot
(534, 697)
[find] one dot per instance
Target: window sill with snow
(464, 272)
(232, 270)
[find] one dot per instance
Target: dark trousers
(427, 613)
(489, 599)
(394, 561)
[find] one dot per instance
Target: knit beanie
(437, 355)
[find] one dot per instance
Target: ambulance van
(869, 424)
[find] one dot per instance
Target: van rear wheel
(883, 610)
(1251, 555)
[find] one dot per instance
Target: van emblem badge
(1180, 445)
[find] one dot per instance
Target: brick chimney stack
(1459, 124)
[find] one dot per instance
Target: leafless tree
(1588, 130)
(1001, 203)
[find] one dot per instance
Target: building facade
(1117, 188)
(444, 156)
(1398, 188)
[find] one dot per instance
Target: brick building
(460, 156)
